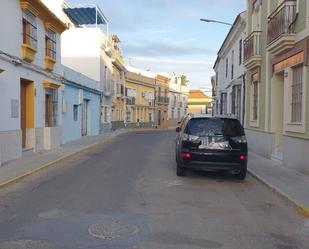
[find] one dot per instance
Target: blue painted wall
(94, 114)
(71, 130)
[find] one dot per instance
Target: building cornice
(37, 8)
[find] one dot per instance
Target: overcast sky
(167, 36)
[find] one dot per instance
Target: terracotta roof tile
(198, 94)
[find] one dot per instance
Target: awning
(86, 15)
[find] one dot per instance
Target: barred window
(223, 108)
(51, 107)
(232, 67)
(255, 99)
(240, 52)
(233, 100)
(50, 43)
(297, 93)
(236, 101)
(226, 67)
(29, 28)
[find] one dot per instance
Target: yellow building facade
(199, 102)
(140, 104)
(162, 101)
(118, 115)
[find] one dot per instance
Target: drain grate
(28, 244)
(108, 230)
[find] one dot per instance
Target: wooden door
(48, 110)
(23, 113)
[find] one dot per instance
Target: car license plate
(214, 143)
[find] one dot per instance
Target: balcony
(252, 50)
(120, 91)
(163, 100)
(151, 103)
(281, 28)
(49, 63)
(28, 52)
(130, 101)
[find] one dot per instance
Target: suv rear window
(215, 127)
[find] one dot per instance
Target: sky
(167, 36)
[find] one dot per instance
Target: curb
(43, 166)
(300, 208)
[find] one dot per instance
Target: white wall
(81, 51)
(181, 92)
(225, 82)
(10, 43)
(11, 13)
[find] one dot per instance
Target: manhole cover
(28, 244)
(108, 230)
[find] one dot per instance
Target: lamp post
(215, 21)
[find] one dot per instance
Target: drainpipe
(244, 99)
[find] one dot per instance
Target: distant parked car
(211, 143)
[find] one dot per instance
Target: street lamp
(215, 21)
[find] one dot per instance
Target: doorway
(159, 117)
(85, 118)
(26, 109)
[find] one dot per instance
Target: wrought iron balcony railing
(252, 45)
(282, 20)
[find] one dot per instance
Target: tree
(184, 80)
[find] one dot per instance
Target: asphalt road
(125, 194)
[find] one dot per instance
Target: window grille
(297, 93)
(29, 28)
(50, 43)
(255, 99)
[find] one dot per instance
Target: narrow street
(125, 194)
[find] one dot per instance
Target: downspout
(244, 99)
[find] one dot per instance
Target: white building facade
(178, 99)
(230, 72)
(30, 82)
(86, 48)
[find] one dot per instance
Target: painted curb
(300, 208)
(43, 166)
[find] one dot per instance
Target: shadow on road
(218, 176)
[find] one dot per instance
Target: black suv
(211, 143)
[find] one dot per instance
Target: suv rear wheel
(180, 171)
(242, 173)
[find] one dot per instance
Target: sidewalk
(33, 162)
(290, 184)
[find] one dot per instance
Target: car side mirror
(178, 129)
